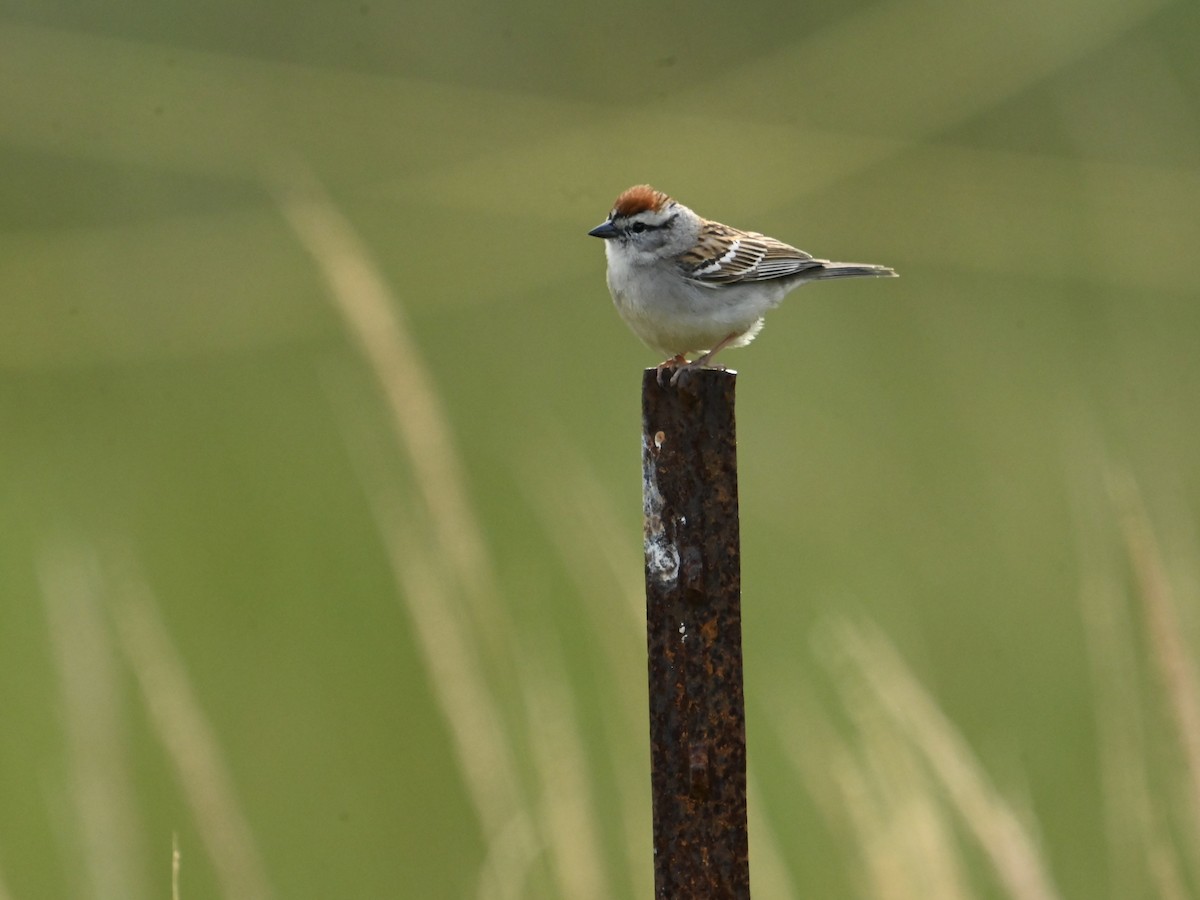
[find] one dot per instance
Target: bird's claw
(678, 363)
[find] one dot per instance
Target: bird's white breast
(674, 315)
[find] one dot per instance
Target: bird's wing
(725, 255)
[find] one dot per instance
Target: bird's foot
(677, 362)
(700, 362)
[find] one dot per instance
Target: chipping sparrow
(686, 284)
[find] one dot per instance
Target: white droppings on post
(662, 556)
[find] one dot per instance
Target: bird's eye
(637, 227)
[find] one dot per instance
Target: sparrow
(685, 284)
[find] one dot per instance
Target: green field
(320, 500)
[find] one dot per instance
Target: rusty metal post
(694, 637)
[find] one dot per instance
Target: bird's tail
(855, 270)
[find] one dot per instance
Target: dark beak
(604, 230)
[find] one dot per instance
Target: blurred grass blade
(189, 739)
(101, 788)
(878, 794)
(1164, 634)
(445, 578)
(452, 655)
(767, 854)
(375, 321)
(568, 809)
(1012, 851)
(483, 744)
(1139, 848)
(176, 861)
(604, 563)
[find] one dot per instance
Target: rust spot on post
(694, 637)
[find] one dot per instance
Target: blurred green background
(320, 513)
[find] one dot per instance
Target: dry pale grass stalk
(191, 743)
(838, 783)
(995, 826)
(437, 573)
(771, 876)
(101, 787)
(375, 320)
(483, 745)
(911, 826)
(444, 635)
(568, 809)
(876, 791)
(604, 563)
(579, 518)
(1164, 633)
(1165, 874)
(1136, 840)
(1138, 844)
(175, 864)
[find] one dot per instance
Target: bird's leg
(702, 361)
(675, 362)
(720, 345)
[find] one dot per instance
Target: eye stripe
(640, 227)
